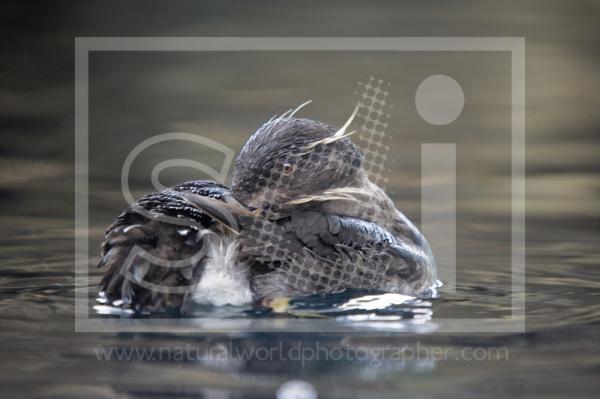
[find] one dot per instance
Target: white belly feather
(224, 280)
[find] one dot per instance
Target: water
(350, 345)
(557, 355)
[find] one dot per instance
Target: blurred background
(226, 97)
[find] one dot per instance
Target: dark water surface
(394, 349)
(386, 345)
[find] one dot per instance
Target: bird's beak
(227, 212)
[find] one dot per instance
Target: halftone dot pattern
(294, 267)
(264, 238)
(371, 123)
(306, 273)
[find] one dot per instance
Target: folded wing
(155, 251)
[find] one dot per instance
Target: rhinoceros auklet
(301, 218)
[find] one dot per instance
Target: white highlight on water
(296, 389)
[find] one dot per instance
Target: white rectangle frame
(84, 45)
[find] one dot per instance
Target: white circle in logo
(439, 100)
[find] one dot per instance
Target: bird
(302, 217)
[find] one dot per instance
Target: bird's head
(293, 161)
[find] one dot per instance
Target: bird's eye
(287, 169)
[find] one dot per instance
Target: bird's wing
(326, 233)
(155, 250)
(315, 252)
(322, 233)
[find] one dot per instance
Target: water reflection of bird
(301, 218)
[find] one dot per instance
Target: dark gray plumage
(165, 226)
(332, 253)
(302, 218)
